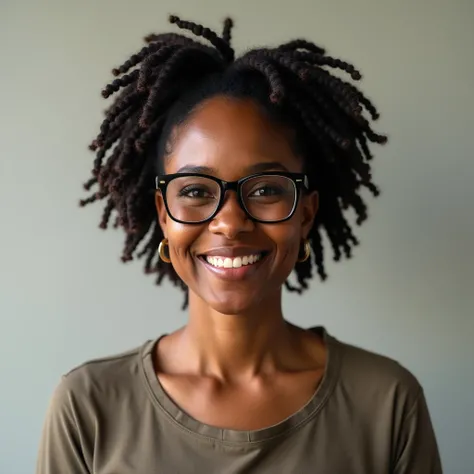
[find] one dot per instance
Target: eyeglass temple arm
(304, 180)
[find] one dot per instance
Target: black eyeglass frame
(300, 181)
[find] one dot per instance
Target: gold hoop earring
(161, 251)
(307, 252)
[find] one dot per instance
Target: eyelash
(188, 189)
(266, 187)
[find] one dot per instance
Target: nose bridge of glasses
(232, 197)
(230, 186)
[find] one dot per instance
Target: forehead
(229, 136)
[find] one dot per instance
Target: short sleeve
(417, 450)
(61, 447)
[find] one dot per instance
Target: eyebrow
(256, 168)
(195, 169)
(267, 166)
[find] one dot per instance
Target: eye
(196, 192)
(266, 190)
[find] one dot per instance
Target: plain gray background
(64, 296)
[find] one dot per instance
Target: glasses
(192, 198)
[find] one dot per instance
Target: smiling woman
(246, 173)
(229, 171)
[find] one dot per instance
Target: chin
(233, 303)
(231, 308)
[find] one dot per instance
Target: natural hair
(159, 86)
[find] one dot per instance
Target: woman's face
(230, 139)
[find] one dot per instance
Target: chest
(251, 406)
(320, 446)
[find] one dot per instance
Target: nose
(231, 219)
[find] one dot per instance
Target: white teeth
(236, 262)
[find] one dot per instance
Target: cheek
(181, 237)
(286, 237)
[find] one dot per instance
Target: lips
(232, 252)
(233, 262)
(237, 262)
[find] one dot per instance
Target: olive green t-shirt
(111, 416)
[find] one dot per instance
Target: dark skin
(237, 364)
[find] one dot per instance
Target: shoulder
(368, 366)
(87, 399)
(93, 383)
(373, 380)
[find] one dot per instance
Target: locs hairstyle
(159, 86)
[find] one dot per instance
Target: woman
(252, 160)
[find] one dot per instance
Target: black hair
(232, 84)
(158, 87)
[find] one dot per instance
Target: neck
(236, 346)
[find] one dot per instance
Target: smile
(237, 262)
(234, 263)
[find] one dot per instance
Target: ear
(310, 206)
(161, 211)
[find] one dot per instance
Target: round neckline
(186, 422)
